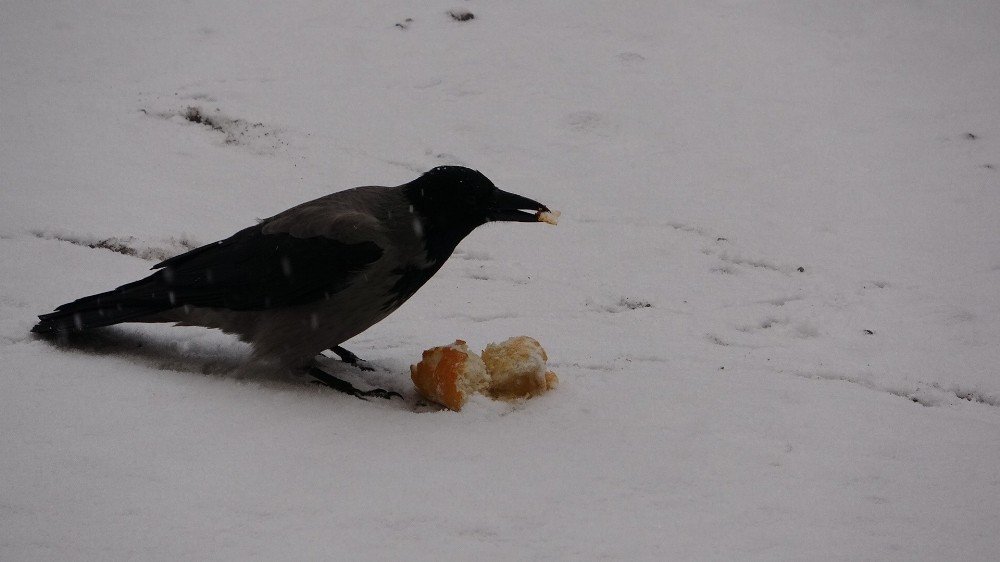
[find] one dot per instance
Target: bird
(313, 276)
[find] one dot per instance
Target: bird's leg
(350, 358)
(340, 385)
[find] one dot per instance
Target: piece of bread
(449, 374)
(551, 217)
(517, 369)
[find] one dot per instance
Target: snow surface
(771, 301)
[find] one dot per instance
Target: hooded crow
(313, 276)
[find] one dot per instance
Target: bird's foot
(340, 385)
(351, 359)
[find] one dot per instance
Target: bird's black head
(452, 201)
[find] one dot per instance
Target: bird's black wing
(252, 270)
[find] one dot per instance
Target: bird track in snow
(925, 394)
(125, 245)
(252, 135)
(489, 317)
(621, 304)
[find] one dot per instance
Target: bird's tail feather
(103, 309)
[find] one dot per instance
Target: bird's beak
(515, 208)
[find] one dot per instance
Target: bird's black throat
(446, 210)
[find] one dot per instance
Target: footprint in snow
(125, 245)
(589, 123)
(622, 304)
(234, 131)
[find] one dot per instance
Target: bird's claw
(350, 358)
(378, 393)
(340, 385)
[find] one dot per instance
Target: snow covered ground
(772, 299)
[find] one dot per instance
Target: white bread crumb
(551, 217)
